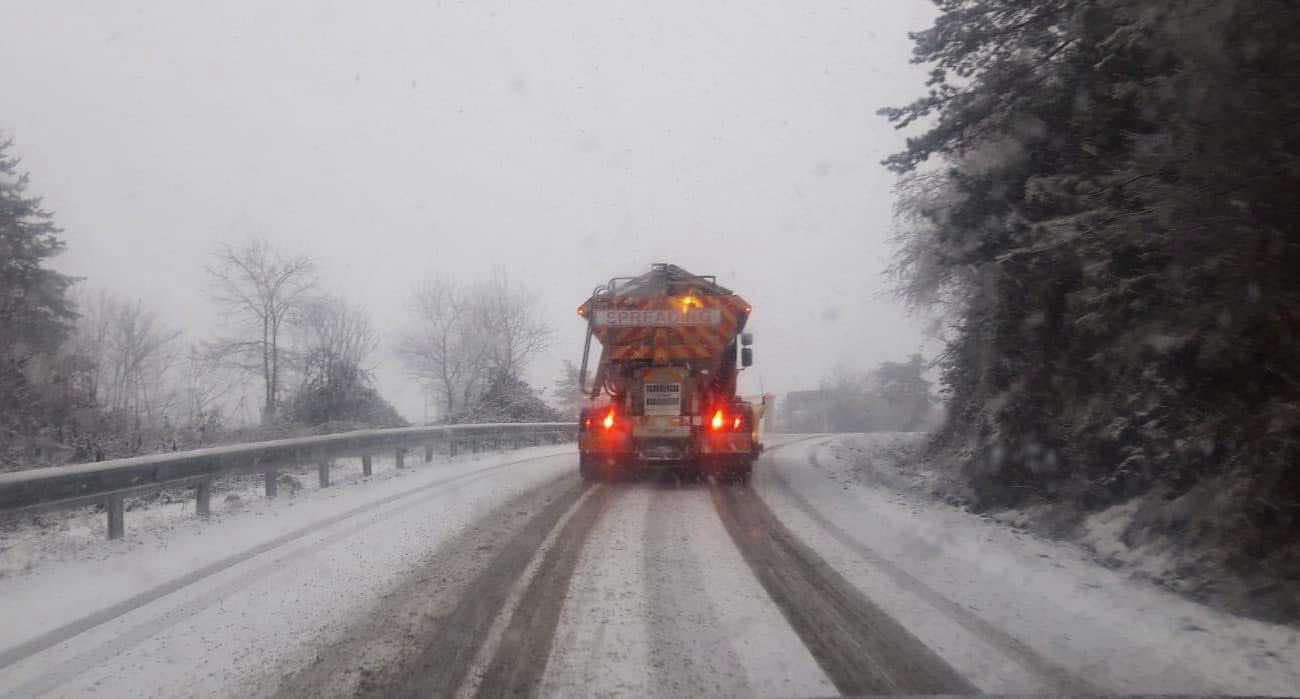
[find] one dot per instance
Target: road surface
(509, 575)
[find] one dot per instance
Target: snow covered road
(507, 574)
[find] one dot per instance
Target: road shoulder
(1044, 597)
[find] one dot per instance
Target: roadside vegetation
(893, 397)
(469, 346)
(87, 374)
(1102, 214)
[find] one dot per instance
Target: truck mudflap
(728, 444)
(664, 450)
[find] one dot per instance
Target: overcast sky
(566, 142)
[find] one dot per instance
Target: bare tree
(464, 334)
(566, 393)
(207, 385)
(259, 290)
(443, 348)
(334, 342)
(333, 337)
(143, 354)
(90, 338)
(508, 316)
(132, 357)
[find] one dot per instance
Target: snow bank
(975, 590)
(65, 571)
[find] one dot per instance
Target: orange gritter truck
(663, 393)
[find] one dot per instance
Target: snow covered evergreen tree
(1110, 212)
(35, 311)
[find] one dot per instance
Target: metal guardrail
(110, 482)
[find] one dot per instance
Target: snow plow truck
(663, 392)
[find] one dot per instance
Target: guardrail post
(365, 465)
(323, 472)
(401, 458)
(272, 485)
(203, 498)
(428, 453)
(116, 517)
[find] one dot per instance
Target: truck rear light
(610, 420)
(722, 421)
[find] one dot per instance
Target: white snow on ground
(929, 564)
(662, 604)
(264, 614)
(1103, 535)
(661, 601)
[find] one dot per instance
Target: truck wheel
(690, 472)
(744, 470)
(587, 467)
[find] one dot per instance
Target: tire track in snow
(860, 647)
(1057, 676)
(678, 606)
(444, 666)
(519, 660)
(56, 636)
(384, 647)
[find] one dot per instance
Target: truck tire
(691, 472)
(587, 468)
(743, 471)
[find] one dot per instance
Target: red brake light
(719, 420)
(735, 424)
(608, 422)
